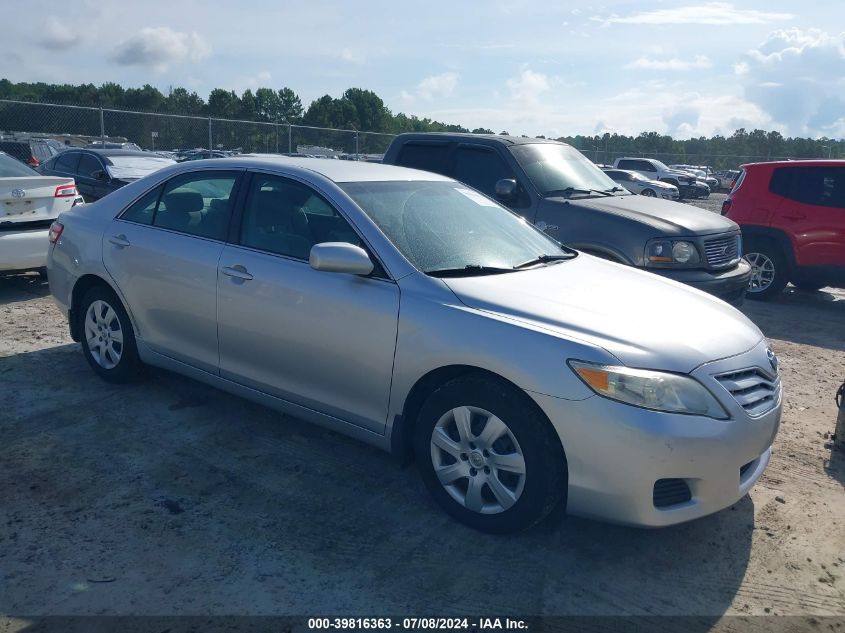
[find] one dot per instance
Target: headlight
(668, 252)
(657, 390)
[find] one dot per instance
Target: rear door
(813, 212)
(162, 253)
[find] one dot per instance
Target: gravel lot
(170, 498)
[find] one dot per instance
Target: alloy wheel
(478, 460)
(762, 271)
(104, 334)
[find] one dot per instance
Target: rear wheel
(769, 270)
(487, 455)
(108, 341)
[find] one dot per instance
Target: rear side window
(819, 186)
(480, 168)
(197, 204)
(67, 162)
(425, 156)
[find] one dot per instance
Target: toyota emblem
(773, 360)
(18, 193)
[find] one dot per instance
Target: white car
(29, 202)
(637, 183)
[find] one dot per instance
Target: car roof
(813, 162)
(468, 136)
(112, 152)
(335, 170)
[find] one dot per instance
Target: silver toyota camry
(412, 312)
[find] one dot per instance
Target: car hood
(671, 218)
(644, 320)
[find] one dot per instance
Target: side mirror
(99, 175)
(506, 188)
(340, 257)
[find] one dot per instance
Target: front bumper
(728, 285)
(616, 453)
(23, 250)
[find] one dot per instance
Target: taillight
(726, 206)
(55, 233)
(33, 162)
(65, 191)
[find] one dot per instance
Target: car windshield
(12, 168)
(130, 167)
(441, 226)
(557, 168)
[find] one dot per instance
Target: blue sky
(682, 67)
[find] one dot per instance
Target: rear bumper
(727, 285)
(23, 250)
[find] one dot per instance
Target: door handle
(793, 215)
(237, 271)
(119, 240)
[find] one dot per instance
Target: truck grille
(753, 390)
(722, 251)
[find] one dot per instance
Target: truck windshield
(554, 168)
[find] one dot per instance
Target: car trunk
(31, 201)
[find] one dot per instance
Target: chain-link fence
(81, 125)
(603, 156)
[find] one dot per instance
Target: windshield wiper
(545, 259)
(568, 191)
(470, 270)
(616, 189)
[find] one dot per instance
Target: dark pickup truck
(553, 185)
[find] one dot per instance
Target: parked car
(792, 215)
(29, 203)
(98, 172)
(203, 154)
(553, 186)
(637, 183)
(702, 174)
(687, 183)
(727, 178)
(114, 145)
(30, 151)
(521, 374)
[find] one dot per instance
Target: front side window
(88, 166)
(197, 204)
(287, 218)
(560, 169)
(480, 168)
(442, 226)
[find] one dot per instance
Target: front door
(321, 340)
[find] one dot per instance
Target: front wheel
(108, 341)
(769, 273)
(487, 455)
(648, 193)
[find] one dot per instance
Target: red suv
(792, 215)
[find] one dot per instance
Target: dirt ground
(170, 498)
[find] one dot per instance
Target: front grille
(722, 251)
(670, 492)
(753, 390)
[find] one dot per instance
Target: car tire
(108, 340)
(468, 427)
(769, 270)
(648, 193)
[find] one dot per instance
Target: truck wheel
(769, 270)
(489, 458)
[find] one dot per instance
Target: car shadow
(168, 496)
(808, 318)
(22, 287)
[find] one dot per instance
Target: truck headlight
(668, 252)
(656, 390)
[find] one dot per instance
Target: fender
(779, 237)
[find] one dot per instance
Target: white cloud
(647, 63)
(798, 77)
(259, 80)
(529, 87)
(351, 57)
(159, 47)
(58, 35)
(434, 86)
(712, 13)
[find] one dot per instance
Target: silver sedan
(412, 312)
(637, 183)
